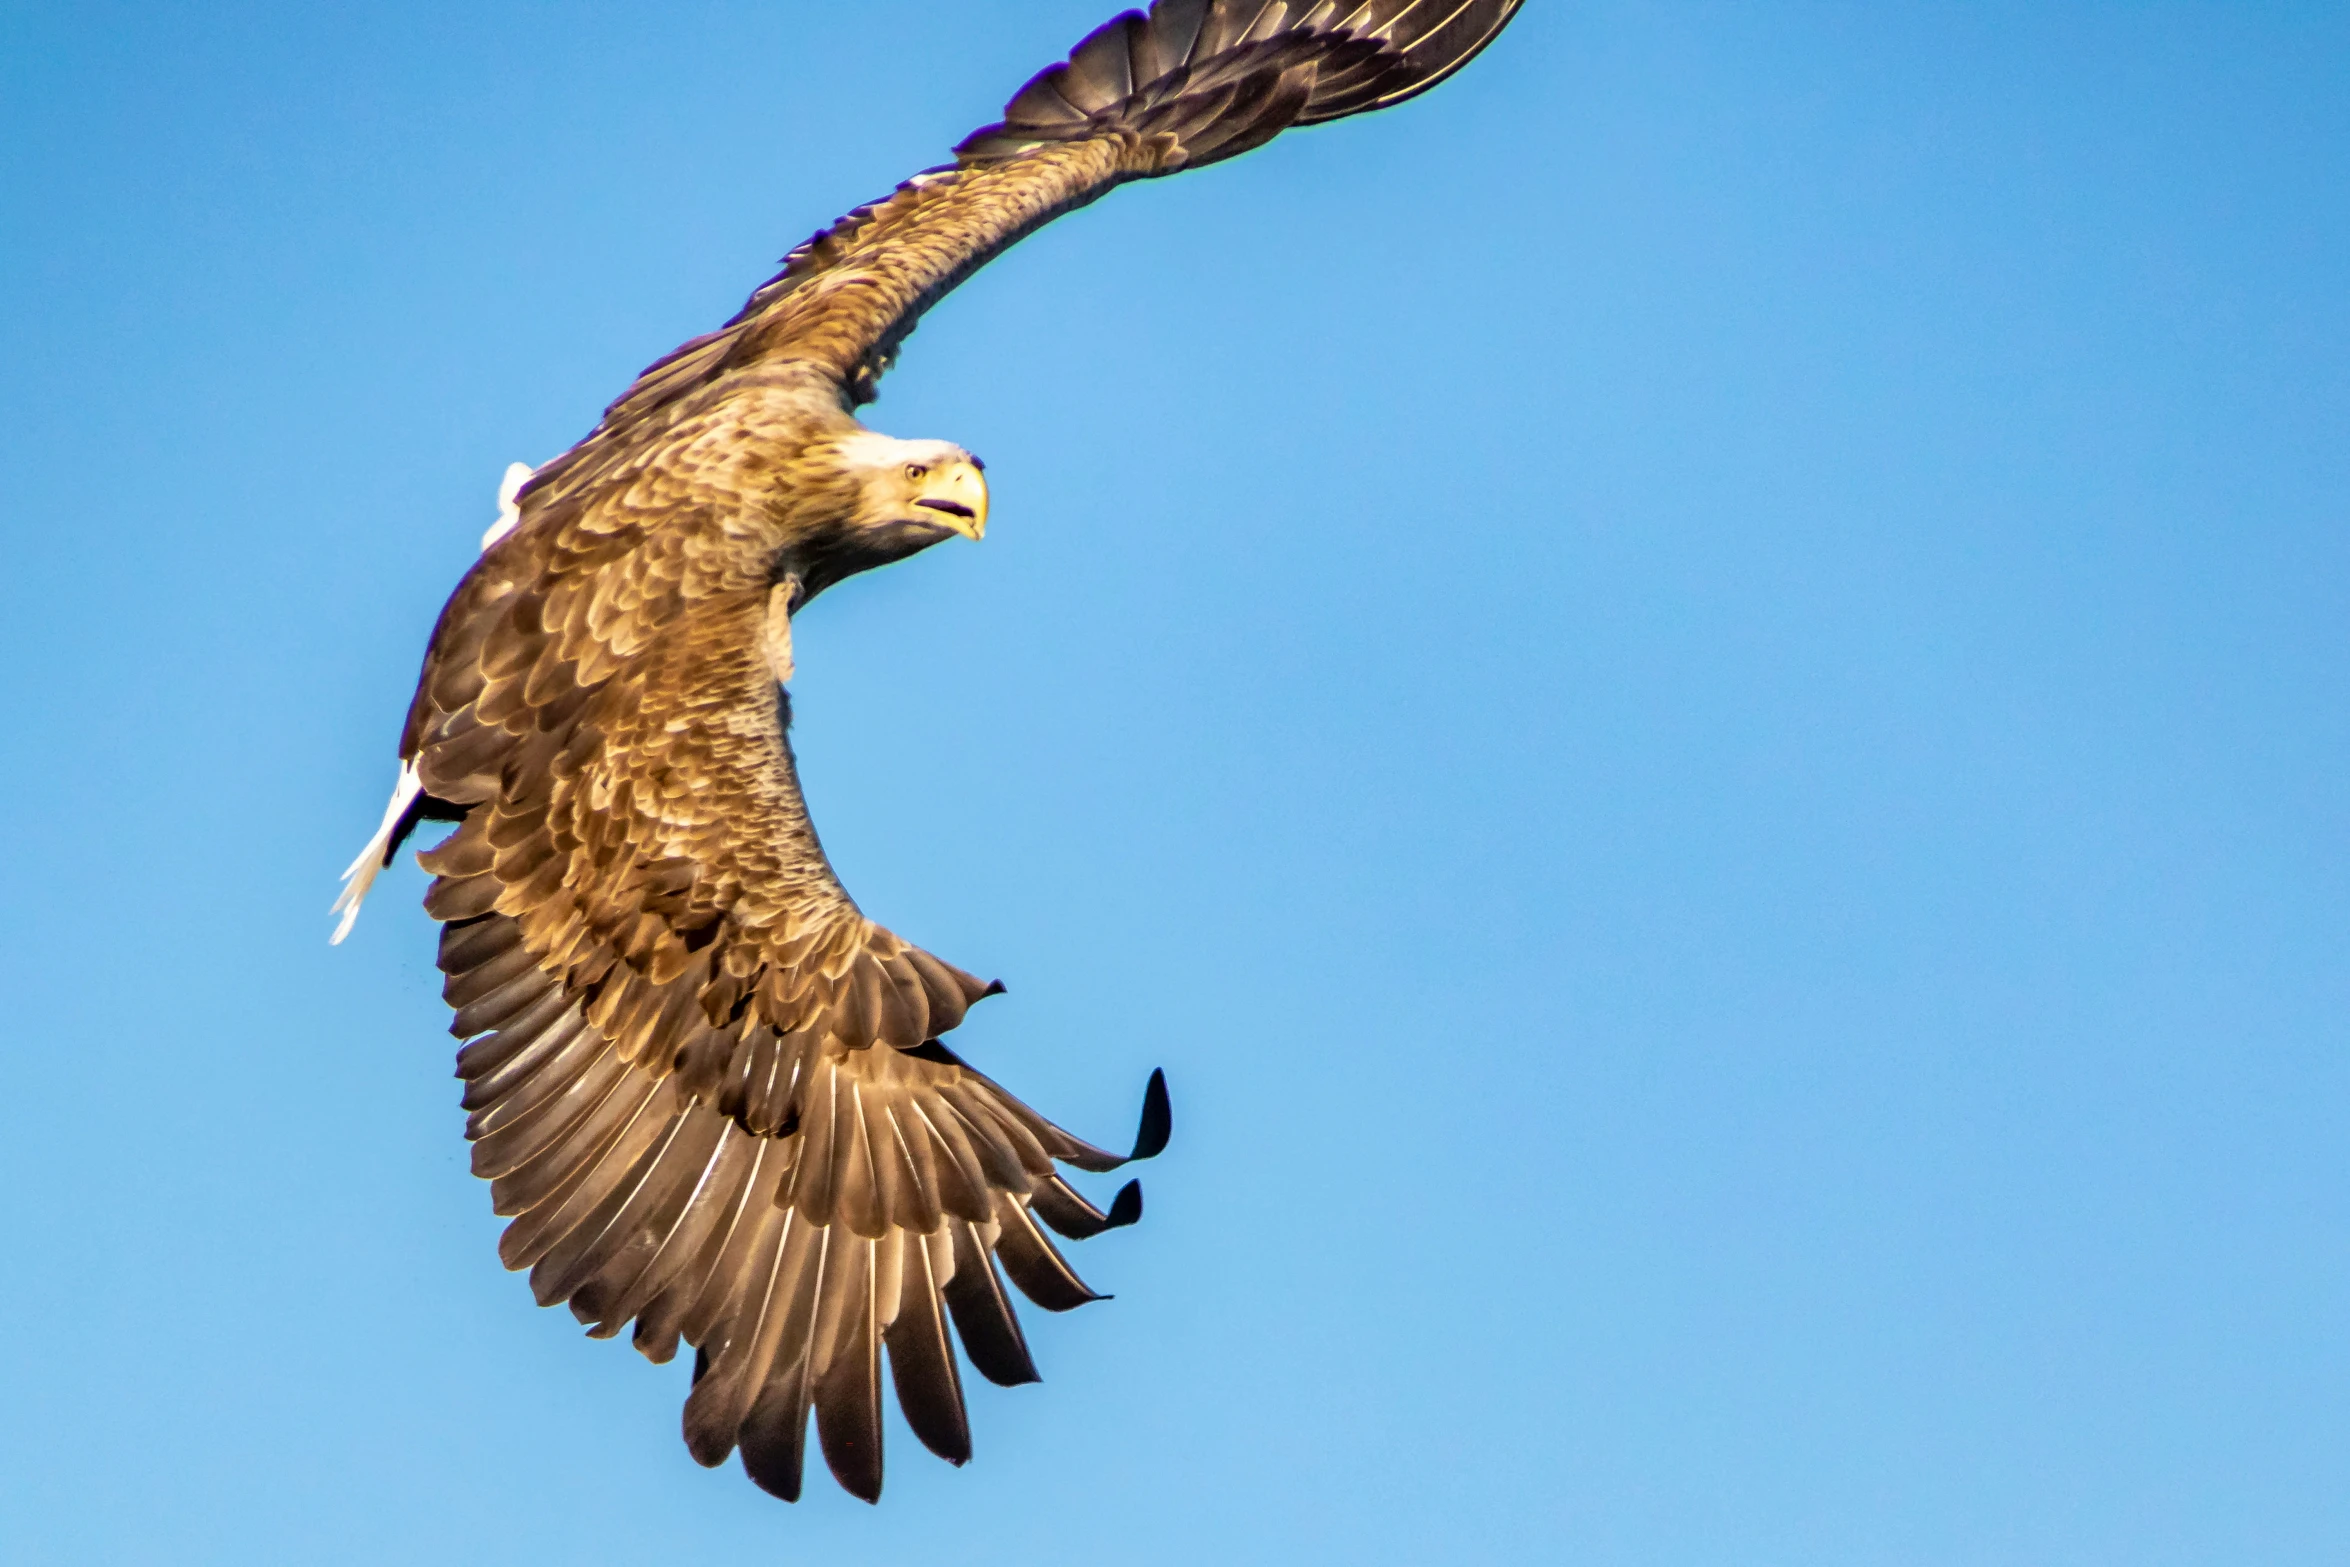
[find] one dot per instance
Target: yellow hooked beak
(957, 494)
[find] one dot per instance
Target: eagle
(712, 1096)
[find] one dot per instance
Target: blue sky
(1693, 689)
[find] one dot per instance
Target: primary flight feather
(710, 1093)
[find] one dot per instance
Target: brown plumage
(709, 1092)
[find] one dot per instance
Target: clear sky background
(1693, 689)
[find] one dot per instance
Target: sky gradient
(1692, 689)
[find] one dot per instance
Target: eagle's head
(901, 497)
(914, 492)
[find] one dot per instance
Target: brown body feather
(707, 1089)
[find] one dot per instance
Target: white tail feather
(361, 874)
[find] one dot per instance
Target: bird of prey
(710, 1093)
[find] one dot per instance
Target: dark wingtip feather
(1158, 1122)
(984, 1317)
(1037, 1266)
(779, 1478)
(1057, 1203)
(775, 1439)
(848, 1428)
(922, 1368)
(1221, 76)
(1126, 1207)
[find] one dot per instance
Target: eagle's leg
(775, 637)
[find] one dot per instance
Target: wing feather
(984, 1318)
(1190, 83)
(711, 1293)
(595, 1267)
(922, 1358)
(848, 1390)
(1035, 1263)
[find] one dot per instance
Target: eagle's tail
(1218, 77)
(400, 816)
(360, 875)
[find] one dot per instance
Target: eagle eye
(915, 470)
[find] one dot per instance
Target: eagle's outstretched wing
(709, 1091)
(1189, 84)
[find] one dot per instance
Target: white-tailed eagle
(710, 1093)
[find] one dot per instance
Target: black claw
(1126, 1207)
(1158, 1120)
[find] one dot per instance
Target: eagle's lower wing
(711, 1093)
(791, 1212)
(1191, 83)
